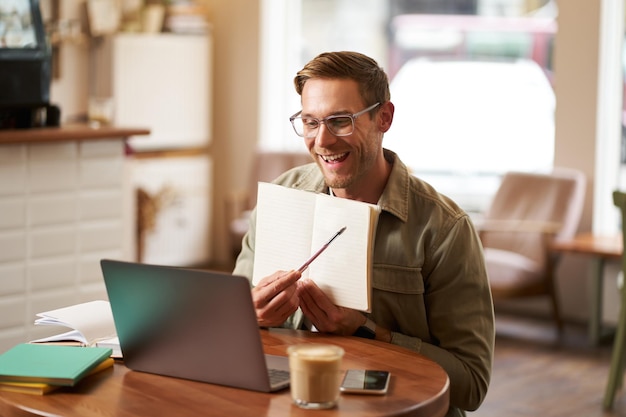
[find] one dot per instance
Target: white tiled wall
(62, 209)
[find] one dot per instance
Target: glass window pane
(471, 81)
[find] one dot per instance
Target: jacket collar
(395, 197)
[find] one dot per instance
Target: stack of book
(91, 324)
(42, 368)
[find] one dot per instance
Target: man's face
(346, 161)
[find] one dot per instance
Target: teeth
(331, 158)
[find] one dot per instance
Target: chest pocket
(398, 279)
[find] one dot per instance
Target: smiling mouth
(334, 158)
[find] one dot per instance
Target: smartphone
(362, 381)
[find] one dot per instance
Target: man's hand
(275, 298)
(324, 315)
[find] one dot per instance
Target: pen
(322, 249)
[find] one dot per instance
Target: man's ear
(385, 116)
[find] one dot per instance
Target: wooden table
(418, 387)
(600, 249)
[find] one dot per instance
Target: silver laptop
(192, 324)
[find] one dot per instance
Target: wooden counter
(74, 132)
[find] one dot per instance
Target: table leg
(595, 313)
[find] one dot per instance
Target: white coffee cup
(315, 371)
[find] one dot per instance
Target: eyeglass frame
(332, 116)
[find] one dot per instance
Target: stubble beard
(364, 165)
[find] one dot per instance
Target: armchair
(528, 212)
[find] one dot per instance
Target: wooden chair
(529, 211)
(616, 371)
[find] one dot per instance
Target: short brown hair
(371, 78)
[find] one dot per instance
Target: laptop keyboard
(278, 376)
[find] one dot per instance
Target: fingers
(317, 306)
(280, 280)
(324, 315)
(275, 297)
(309, 289)
(278, 309)
(279, 295)
(273, 285)
(310, 309)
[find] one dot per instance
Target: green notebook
(50, 364)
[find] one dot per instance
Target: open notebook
(192, 324)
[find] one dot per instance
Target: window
(488, 76)
(473, 100)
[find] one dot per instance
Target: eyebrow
(337, 113)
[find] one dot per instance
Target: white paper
(292, 225)
(90, 322)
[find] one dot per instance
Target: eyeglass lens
(337, 125)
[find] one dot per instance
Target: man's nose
(324, 137)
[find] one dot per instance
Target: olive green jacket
(429, 283)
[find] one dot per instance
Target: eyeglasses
(338, 125)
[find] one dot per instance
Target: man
(430, 291)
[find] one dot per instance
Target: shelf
(68, 133)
